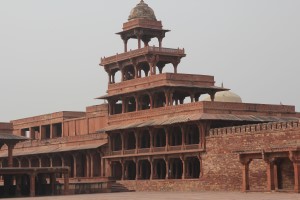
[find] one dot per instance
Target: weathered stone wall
(221, 167)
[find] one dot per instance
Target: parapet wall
(278, 126)
(6, 127)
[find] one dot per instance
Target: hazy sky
(50, 49)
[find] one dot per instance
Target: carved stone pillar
(167, 138)
(123, 142)
(151, 139)
(32, 185)
(182, 158)
(125, 45)
(276, 175)
(183, 130)
(10, 154)
(270, 175)
(66, 183)
(123, 169)
(245, 175)
(297, 176)
(167, 167)
(137, 169)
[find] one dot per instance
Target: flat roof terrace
(165, 79)
(212, 111)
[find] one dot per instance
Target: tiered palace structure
(157, 133)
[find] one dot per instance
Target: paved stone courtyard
(178, 195)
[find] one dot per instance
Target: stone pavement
(177, 196)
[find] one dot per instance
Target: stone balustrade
(141, 52)
(255, 128)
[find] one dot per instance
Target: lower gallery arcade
(85, 163)
(156, 167)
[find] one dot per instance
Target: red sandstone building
(157, 133)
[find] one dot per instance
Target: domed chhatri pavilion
(156, 134)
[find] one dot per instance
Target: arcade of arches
(156, 167)
(81, 163)
(177, 138)
(154, 99)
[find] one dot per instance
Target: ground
(178, 195)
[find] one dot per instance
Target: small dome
(226, 96)
(142, 10)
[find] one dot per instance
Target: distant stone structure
(156, 134)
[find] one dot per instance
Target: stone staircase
(118, 187)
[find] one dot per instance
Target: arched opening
(131, 103)
(175, 168)
(144, 69)
(128, 73)
(116, 141)
(176, 136)
(145, 139)
(130, 170)
(159, 100)
(45, 161)
(192, 167)
(145, 169)
(160, 138)
(285, 174)
(116, 106)
(192, 136)
(181, 97)
(35, 162)
(130, 142)
(15, 162)
(145, 102)
(116, 170)
(116, 76)
(69, 162)
(4, 163)
(81, 165)
(159, 169)
(24, 162)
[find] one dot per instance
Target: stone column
(297, 176)
(66, 184)
(151, 168)
(136, 169)
(183, 136)
(167, 138)
(270, 175)
(137, 103)
(183, 167)
(125, 44)
(10, 154)
(151, 139)
(92, 166)
(212, 96)
(276, 176)
(167, 168)
(245, 171)
(123, 170)
(123, 142)
(124, 102)
(137, 141)
(32, 185)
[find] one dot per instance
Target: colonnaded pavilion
(158, 131)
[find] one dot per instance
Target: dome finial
(142, 11)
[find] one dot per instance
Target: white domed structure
(226, 96)
(142, 11)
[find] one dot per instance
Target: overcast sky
(50, 49)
